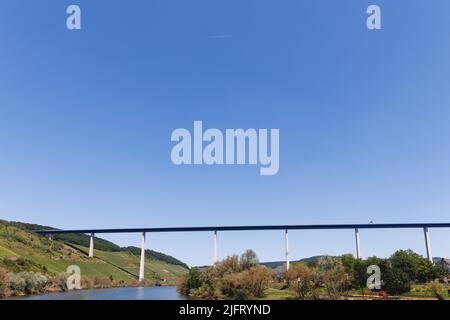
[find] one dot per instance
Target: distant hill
(22, 250)
(277, 264)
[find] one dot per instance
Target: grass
(279, 294)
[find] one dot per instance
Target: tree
(190, 281)
(248, 259)
(416, 267)
(359, 275)
(247, 284)
(302, 280)
(229, 265)
(396, 281)
(332, 275)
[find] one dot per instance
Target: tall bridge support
(142, 265)
(91, 246)
(286, 249)
(216, 250)
(358, 247)
(427, 244)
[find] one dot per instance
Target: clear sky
(86, 118)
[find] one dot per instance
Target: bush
(102, 282)
(302, 280)
(59, 282)
(257, 280)
(16, 283)
(86, 283)
(396, 281)
(331, 273)
(234, 288)
(190, 281)
(34, 282)
(247, 284)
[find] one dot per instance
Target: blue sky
(86, 118)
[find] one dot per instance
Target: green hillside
(100, 244)
(22, 250)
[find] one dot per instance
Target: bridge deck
(255, 228)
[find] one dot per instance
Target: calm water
(141, 293)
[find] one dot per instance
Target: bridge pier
(286, 248)
(216, 250)
(427, 244)
(91, 246)
(141, 267)
(358, 248)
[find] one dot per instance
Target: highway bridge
(285, 228)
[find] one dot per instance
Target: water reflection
(139, 293)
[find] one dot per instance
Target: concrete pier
(428, 244)
(142, 265)
(216, 250)
(91, 246)
(358, 247)
(286, 247)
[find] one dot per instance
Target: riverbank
(31, 284)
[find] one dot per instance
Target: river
(132, 293)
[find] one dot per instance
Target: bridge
(285, 228)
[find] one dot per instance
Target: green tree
(359, 275)
(248, 259)
(190, 281)
(396, 281)
(416, 267)
(333, 276)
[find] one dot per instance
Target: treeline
(150, 254)
(100, 244)
(336, 277)
(327, 278)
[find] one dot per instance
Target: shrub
(102, 282)
(16, 283)
(190, 281)
(396, 281)
(34, 282)
(257, 280)
(59, 282)
(303, 280)
(86, 283)
(234, 288)
(247, 284)
(331, 273)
